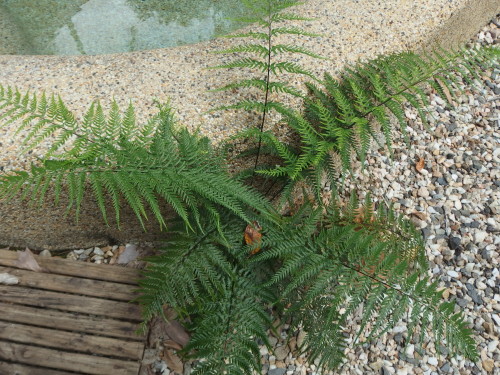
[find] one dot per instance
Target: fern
(267, 14)
(202, 274)
(113, 157)
(332, 266)
(314, 269)
(341, 117)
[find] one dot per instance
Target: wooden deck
(74, 318)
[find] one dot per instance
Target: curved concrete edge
(49, 228)
(464, 24)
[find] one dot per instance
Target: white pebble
(453, 274)
(492, 345)
(432, 361)
(480, 236)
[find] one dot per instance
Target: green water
(89, 27)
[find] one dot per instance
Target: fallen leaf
(420, 215)
(173, 361)
(253, 236)
(27, 261)
(8, 279)
(420, 164)
(177, 333)
(129, 254)
(447, 93)
(171, 344)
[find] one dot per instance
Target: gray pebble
(472, 292)
(277, 371)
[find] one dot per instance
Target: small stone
(472, 292)
(453, 274)
(423, 192)
(277, 371)
(492, 346)
(72, 256)
(98, 251)
(446, 367)
(488, 365)
(432, 361)
(281, 352)
(45, 253)
(410, 350)
(480, 236)
(454, 242)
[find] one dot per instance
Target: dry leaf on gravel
(177, 333)
(8, 279)
(171, 344)
(420, 215)
(420, 164)
(446, 92)
(173, 361)
(129, 254)
(27, 261)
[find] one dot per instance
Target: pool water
(89, 27)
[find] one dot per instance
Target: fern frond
(162, 163)
(342, 112)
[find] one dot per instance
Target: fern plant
(342, 116)
(263, 55)
(143, 167)
(313, 269)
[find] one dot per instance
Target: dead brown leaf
(253, 236)
(447, 93)
(177, 333)
(420, 215)
(420, 164)
(171, 344)
(27, 261)
(173, 361)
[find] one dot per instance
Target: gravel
(459, 198)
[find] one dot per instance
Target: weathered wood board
(74, 318)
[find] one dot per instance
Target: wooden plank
(82, 363)
(73, 268)
(77, 342)
(18, 369)
(69, 302)
(75, 285)
(70, 321)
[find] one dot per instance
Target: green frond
(258, 49)
(160, 163)
(243, 63)
(280, 48)
(261, 84)
(292, 31)
(277, 17)
(251, 34)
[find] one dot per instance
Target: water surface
(75, 27)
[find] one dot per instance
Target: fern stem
(266, 98)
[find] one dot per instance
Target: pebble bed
(454, 200)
